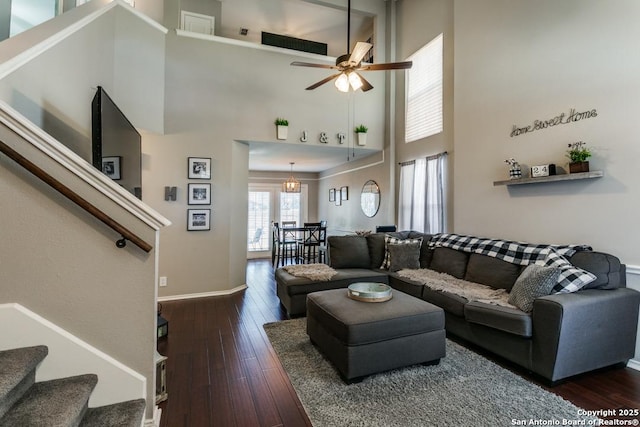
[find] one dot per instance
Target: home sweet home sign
(560, 119)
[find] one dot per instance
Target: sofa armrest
(582, 331)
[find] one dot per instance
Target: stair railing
(71, 195)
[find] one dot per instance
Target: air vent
(287, 42)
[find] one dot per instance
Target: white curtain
(422, 198)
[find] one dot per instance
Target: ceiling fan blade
(387, 66)
(310, 64)
(365, 84)
(359, 52)
(323, 81)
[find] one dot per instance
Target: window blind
(424, 92)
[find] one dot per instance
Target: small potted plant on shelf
(578, 153)
(361, 131)
(515, 171)
(282, 127)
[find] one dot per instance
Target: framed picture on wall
(198, 219)
(111, 167)
(199, 194)
(332, 194)
(338, 200)
(344, 193)
(199, 168)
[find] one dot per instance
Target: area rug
(465, 389)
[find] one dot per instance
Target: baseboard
(155, 421)
(634, 364)
(633, 269)
(203, 294)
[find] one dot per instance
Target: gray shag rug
(465, 389)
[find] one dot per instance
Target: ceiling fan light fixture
(355, 81)
(342, 83)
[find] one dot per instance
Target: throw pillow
(404, 256)
(535, 281)
(571, 278)
(388, 240)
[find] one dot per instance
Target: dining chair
(314, 235)
(385, 228)
(286, 244)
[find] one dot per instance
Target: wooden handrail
(71, 195)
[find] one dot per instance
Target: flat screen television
(115, 144)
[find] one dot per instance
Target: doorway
(268, 204)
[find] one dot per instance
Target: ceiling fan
(348, 65)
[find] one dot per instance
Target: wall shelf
(552, 178)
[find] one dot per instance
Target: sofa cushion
(389, 240)
(346, 276)
(535, 281)
(449, 261)
(348, 252)
(406, 285)
(606, 267)
(404, 256)
(451, 303)
(492, 271)
(571, 278)
(505, 319)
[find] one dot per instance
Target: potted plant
(282, 127)
(578, 153)
(361, 131)
(515, 171)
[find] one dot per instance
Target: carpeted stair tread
(17, 373)
(124, 414)
(54, 403)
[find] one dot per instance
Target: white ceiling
(304, 20)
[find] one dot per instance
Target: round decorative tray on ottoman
(369, 292)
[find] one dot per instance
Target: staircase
(55, 403)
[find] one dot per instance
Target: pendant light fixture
(291, 185)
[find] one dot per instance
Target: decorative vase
(578, 167)
(362, 138)
(515, 172)
(282, 131)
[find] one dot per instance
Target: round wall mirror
(370, 198)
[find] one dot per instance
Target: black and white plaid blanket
(571, 278)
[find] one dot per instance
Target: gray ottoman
(364, 338)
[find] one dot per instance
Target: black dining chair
(309, 248)
(385, 228)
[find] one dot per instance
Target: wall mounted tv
(116, 144)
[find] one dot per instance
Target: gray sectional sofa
(563, 335)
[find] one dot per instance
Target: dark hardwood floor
(221, 370)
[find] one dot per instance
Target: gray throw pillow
(404, 256)
(535, 281)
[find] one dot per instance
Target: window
(259, 220)
(422, 196)
(424, 92)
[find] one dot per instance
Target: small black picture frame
(111, 167)
(199, 194)
(199, 168)
(332, 194)
(344, 193)
(198, 219)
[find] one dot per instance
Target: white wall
(536, 61)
